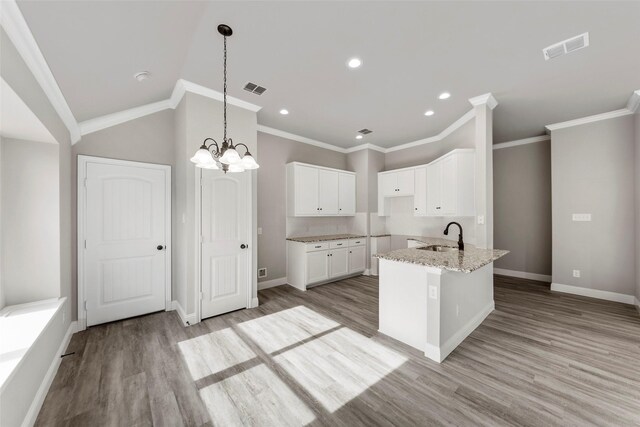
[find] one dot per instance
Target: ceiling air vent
(254, 88)
(566, 46)
(365, 131)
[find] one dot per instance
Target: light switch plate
(259, 230)
(576, 273)
(433, 292)
(581, 217)
(480, 219)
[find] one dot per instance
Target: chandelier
(224, 156)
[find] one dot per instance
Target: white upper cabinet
(328, 192)
(420, 192)
(346, 193)
(317, 191)
(451, 184)
(444, 187)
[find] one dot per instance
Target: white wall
(30, 221)
(637, 141)
(592, 171)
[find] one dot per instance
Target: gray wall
(464, 137)
(637, 133)
(376, 162)
(358, 162)
(30, 221)
(274, 153)
(15, 72)
(592, 171)
(148, 139)
(522, 207)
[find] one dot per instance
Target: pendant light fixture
(225, 156)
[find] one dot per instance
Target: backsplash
(317, 226)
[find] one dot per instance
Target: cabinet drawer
(318, 246)
(357, 242)
(338, 244)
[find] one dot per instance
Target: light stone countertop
(314, 239)
(466, 261)
(380, 235)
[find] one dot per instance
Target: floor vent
(254, 88)
(566, 46)
(365, 131)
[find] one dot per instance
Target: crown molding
(522, 142)
(589, 119)
(450, 129)
(632, 106)
(366, 146)
(182, 86)
(634, 101)
(487, 99)
(298, 138)
(18, 31)
(109, 120)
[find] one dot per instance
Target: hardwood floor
(316, 358)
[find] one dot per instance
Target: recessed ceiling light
(284, 112)
(142, 75)
(444, 95)
(359, 137)
(429, 113)
(354, 63)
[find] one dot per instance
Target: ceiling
(17, 121)
(411, 52)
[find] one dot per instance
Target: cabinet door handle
(338, 244)
(318, 247)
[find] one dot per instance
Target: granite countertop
(466, 261)
(314, 239)
(380, 235)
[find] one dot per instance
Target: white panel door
(339, 262)
(389, 184)
(405, 182)
(125, 224)
(347, 194)
(226, 230)
(306, 190)
(434, 178)
(420, 192)
(357, 259)
(317, 266)
(328, 192)
(449, 185)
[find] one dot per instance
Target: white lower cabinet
(323, 262)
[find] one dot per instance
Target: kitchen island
(433, 300)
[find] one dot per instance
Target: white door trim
(198, 242)
(81, 219)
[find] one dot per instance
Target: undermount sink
(438, 248)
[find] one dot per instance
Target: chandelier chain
(225, 89)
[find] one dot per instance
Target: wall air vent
(365, 131)
(254, 88)
(566, 46)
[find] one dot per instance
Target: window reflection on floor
(255, 397)
(211, 353)
(284, 328)
(243, 371)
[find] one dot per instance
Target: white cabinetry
(450, 185)
(444, 187)
(317, 191)
(322, 262)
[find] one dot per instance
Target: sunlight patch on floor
(256, 397)
(339, 366)
(211, 353)
(284, 328)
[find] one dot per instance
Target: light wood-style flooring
(316, 358)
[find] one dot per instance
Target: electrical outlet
(457, 310)
(480, 219)
(262, 272)
(433, 292)
(576, 273)
(259, 230)
(582, 217)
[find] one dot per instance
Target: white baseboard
(272, 283)
(254, 302)
(187, 319)
(438, 354)
(367, 272)
(637, 304)
(522, 274)
(38, 400)
(593, 293)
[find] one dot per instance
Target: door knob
(243, 246)
(160, 247)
